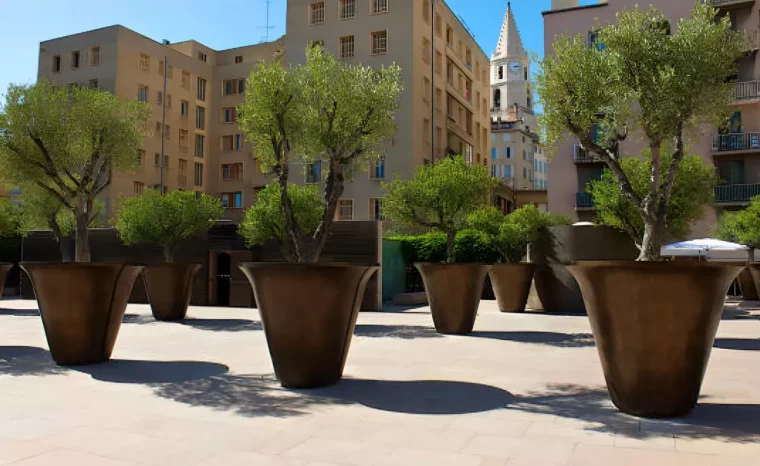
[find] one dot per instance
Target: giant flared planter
(511, 285)
(81, 306)
(309, 312)
(169, 288)
(654, 324)
(4, 269)
(453, 292)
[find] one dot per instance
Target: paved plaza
(522, 390)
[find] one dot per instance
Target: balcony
(736, 143)
(747, 91)
(583, 201)
(580, 155)
(729, 4)
(736, 193)
(753, 39)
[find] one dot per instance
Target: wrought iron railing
(736, 192)
(736, 142)
(747, 90)
(583, 200)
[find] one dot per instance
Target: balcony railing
(736, 142)
(580, 155)
(736, 192)
(747, 90)
(752, 36)
(583, 201)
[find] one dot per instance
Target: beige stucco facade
(735, 154)
(131, 66)
(455, 81)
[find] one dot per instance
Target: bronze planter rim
(652, 362)
(304, 264)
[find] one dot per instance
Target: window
(95, 56)
(379, 6)
(238, 59)
(317, 13)
(376, 209)
(426, 10)
(142, 94)
(198, 174)
(183, 138)
(161, 67)
(426, 56)
(166, 161)
(438, 99)
(232, 171)
(507, 152)
(241, 86)
(379, 42)
(75, 58)
(160, 98)
(138, 187)
(500, 72)
(228, 87)
(505, 137)
(201, 89)
(437, 25)
(347, 47)
(202, 56)
(200, 118)
(170, 74)
(186, 80)
(167, 132)
(200, 141)
(182, 165)
(377, 169)
(168, 101)
(506, 171)
(94, 84)
(228, 143)
(468, 58)
(232, 200)
(494, 169)
(527, 174)
(57, 64)
(347, 9)
(141, 156)
(314, 172)
(345, 209)
(144, 62)
(425, 89)
(229, 115)
(184, 108)
(449, 35)
(317, 43)
(238, 142)
(494, 153)
(438, 62)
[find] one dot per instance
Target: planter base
(309, 312)
(654, 324)
(4, 269)
(169, 288)
(454, 292)
(511, 285)
(750, 283)
(81, 306)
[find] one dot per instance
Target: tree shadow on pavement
(559, 340)
(403, 332)
(19, 312)
(751, 312)
(222, 325)
(732, 422)
(151, 372)
(27, 360)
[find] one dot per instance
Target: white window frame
(381, 42)
(144, 62)
(373, 169)
(317, 13)
(348, 46)
(145, 91)
(96, 57)
(347, 9)
(379, 7)
(339, 211)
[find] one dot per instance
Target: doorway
(223, 277)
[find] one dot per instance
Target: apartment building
(203, 148)
(444, 104)
(517, 158)
(735, 151)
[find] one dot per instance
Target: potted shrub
(654, 322)
(167, 220)
(67, 140)
(510, 236)
(9, 226)
(331, 117)
(744, 227)
(441, 197)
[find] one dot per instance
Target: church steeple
(510, 43)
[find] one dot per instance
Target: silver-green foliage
(166, 220)
(742, 226)
(68, 140)
(266, 219)
(325, 110)
(440, 196)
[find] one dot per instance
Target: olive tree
(642, 77)
(327, 112)
(166, 220)
(440, 196)
(693, 189)
(68, 141)
(10, 218)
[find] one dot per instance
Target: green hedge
(469, 246)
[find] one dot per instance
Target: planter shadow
(730, 422)
(27, 361)
(222, 325)
(402, 332)
(19, 312)
(741, 344)
(559, 340)
(152, 372)
(739, 313)
(420, 396)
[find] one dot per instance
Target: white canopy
(710, 249)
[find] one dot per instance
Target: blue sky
(232, 25)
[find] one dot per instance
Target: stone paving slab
(523, 389)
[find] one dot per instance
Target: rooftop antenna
(265, 37)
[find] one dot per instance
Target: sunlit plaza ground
(521, 390)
